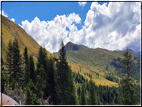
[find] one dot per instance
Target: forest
(50, 81)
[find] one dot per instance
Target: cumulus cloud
(3, 13)
(82, 3)
(50, 33)
(113, 26)
(12, 19)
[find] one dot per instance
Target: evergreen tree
(31, 99)
(4, 77)
(41, 82)
(41, 72)
(65, 82)
(9, 63)
(127, 83)
(83, 102)
(50, 90)
(71, 91)
(79, 94)
(92, 93)
(17, 64)
(26, 65)
(32, 73)
(42, 59)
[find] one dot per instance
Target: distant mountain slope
(99, 63)
(74, 47)
(10, 30)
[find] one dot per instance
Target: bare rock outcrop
(6, 100)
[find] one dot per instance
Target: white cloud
(3, 13)
(12, 19)
(82, 3)
(51, 33)
(115, 26)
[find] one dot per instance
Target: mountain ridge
(100, 63)
(74, 47)
(70, 46)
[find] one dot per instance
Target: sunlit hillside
(100, 63)
(10, 30)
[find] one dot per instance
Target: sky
(108, 25)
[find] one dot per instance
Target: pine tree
(4, 77)
(9, 64)
(92, 93)
(32, 73)
(50, 90)
(17, 64)
(83, 102)
(127, 83)
(79, 94)
(26, 68)
(71, 89)
(42, 59)
(32, 99)
(65, 83)
(41, 82)
(41, 72)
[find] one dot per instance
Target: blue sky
(44, 10)
(109, 25)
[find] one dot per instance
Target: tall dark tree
(4, 77)
(32, 98)
(17, 64)
(71, 89)
(83, 101)
(9, 63)
(127, 83)
(92, 93)
(42, 59)
(41, 72)
(41, 82)
(79, 94)
(65, 83)
(50, 90)
(32, 73)
(26, 65)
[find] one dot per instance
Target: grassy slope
(10, 30)
(95, 62)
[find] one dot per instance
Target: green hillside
(10, 30)
(102, 64)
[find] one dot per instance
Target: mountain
(10, 30)
(102, 64)
(74, 47)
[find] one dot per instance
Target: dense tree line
(51, 81)
(41, 83)
(90, 94)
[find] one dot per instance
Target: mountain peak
(74, 47)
